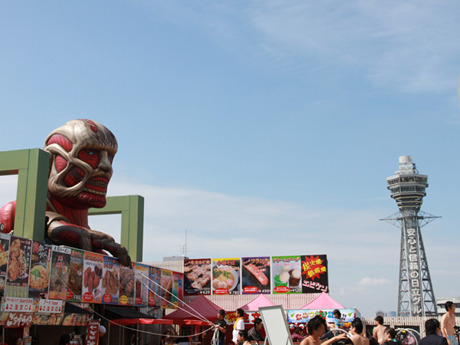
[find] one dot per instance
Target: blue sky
(259, 127)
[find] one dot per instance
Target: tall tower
(415, 293)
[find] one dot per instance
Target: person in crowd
(167, 339)
(433, 337)
(390, 336)
(448, 323)
(379, 330)
(316, 328)
(221, 325)
(102, 331)
(356, 331)
(296, 336)
(254, 333)
(242, 337)
(338, 322)
(238, 326)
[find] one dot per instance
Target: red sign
(92, 338)
(19, 320)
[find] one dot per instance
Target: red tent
(323, 301)
(196, 312)
(256, 303)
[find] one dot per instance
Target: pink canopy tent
(256, 303)
(323, 301)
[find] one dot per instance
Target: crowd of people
(318, 332)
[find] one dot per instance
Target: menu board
(74, 288)
(40, 265)
(154, 284)
(314, 274)
(126, 286)
(4, 248)
(255, 273)
(142, 280)
(286, 274)
(197, 277)
(226, 276)
(110, 280)
(17, 279)
(92, 277)
(59, 277)
(166, 283)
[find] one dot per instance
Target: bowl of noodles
(38, 277)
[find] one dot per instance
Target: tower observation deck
(415, 291)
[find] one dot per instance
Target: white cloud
(369, 282)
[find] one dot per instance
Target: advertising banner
(92, 277)
(178, 290)
(303, 316)
(4, 248)
(255, 274)
(286, 274)
(18, 304)
(226, 276)
(197, 277)
(154, 283)
(314, 274)
(75, 285)
(110, 280)
(166, 283)
(126, 286)
(17, 279)
(142, 283)
(40, 265)
(92, 337)
(16, 320)
(59, 277)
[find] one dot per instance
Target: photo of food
(286, 274)
(4, 249)
(39, 276)
(166, 283)
(75, 283)
(225, 276)
(197, 277)
(17, 277)
(126, 286)
(92, 277)
(256, 275)
(110, 280)
(39, 270)
(59, 275)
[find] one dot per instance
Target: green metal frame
(131, 208)
(32, 168)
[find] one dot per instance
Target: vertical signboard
(286, 274)
(177, 290)
(17, 282)
(110, 280)
(126, 286)
(255, 273)
(4, 248)
(166, 283)
(226, 276)
(413, 270)
(59, 276)
(142, 281)
(40, 265)
(154, 283)
(92, 277)
(197, 277)
(74, 288)
(314, 274)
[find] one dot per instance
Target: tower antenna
(415, 291)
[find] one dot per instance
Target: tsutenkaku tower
(415, 292)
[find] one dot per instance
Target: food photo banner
(294, 274)
(226, 276)
(35, 270)
(197, 277)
